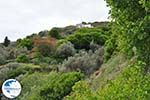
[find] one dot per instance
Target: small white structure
(84, 25)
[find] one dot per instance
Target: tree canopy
(131, 26)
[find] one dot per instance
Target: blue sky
(19, 18)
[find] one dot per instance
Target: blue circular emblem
(11, 88)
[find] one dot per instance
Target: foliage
(131, 84)
(22, 58)
(3, 55)
(86, 62)
(40, 59)
(25, 69)
(32, 36)
(25, 43)
(82, 37)
(14, 52)
(5, 69)
(58, 91)
(6, 41)
(94, 46)
(43, 33)
(110, 47)
(55, 33)
(2, 59)
(130, 23)
(21, 50)
(110, 70)
(68, 30)
(65, 50)
(14, 70)
(44, 46)
(61, 41)
(45, 49)
(53, 86)
(81, 91)
(103, 24)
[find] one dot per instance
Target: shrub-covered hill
(53, 62)
(107, 61)
(124, 81)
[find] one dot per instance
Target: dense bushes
(44, 46)
(25, 43)
(130, 35)
(82, 38)
(43, 33)
(86, 62)
(53, 86)
(45, 49)
(3, 54)
(131, 84)
(65, 50)
(68, 30)
(61, 87)
(2, 59)
(94, 46)
(22, 58)
(109, 48)
(131, 27)
(19, 51)
(81, 91)
(55, 33)
(15, 70)
(6, 69)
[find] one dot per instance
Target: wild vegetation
(109, 61)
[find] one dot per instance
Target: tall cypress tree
(6, 41)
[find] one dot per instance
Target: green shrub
(132, 84)
(22, 58)
(83, 37)
(131, 29)
(52, 86)
(4, 55)
(4, 52)
(14, 52)
(94, 46)
(60, 87)
(109, 48)
(81, 91)
(43, 33)
(2, 59)
(25, 43)
(51, 59)
(68, 30)
(6, 69)
(55, 33)
(13, 70)
(86, 62)
(61, 41)
(65, 50)
(45, 49)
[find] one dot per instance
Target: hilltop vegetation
(53, 63)
(108, 61)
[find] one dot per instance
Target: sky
(19, 18)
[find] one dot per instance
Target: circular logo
(11, 88)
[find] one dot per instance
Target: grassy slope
(109, 70)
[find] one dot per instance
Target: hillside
(88, 61)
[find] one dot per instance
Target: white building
(84, 25)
